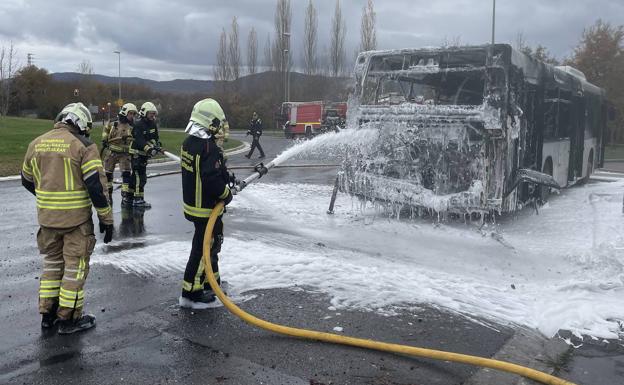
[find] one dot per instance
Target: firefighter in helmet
(146, 143)
(205, 181)
(116, 141)
(223, 135)
(62, 168)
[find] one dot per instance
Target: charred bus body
(471, 129)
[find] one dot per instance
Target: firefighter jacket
(118, 135)
(204, 177)
(255, 128)
(63, 170)
(145, 134)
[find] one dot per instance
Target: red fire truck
(312, 118)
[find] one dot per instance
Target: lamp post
(286, 66)
(493, 20)
(109, 105)
(119, 73)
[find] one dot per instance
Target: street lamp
(493, 20)
(119, 74)
(286, 62)
(109, 105)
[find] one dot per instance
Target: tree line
(245, 83)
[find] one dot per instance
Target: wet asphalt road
(143, 337)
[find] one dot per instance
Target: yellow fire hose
(359, 342)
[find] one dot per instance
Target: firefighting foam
(563, 269)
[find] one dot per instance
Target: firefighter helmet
(208, 114)
(128, 107)
(76, 114)
(148, 107)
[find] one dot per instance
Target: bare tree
(368, 32)
(268, 54)
(8, 67)
(310, 38)
(221, 68)
(337, 49)
(283, 17)
(252, 51)
(453, 41)
(234, 60)
(85, 68)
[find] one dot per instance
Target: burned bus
(471, 129)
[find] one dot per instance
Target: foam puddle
(562, 269)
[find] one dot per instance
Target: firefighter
(223, 135)
(116, 140)
(255, 130)
(62, 168)
(146, 144)
(204, 182)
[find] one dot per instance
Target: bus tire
(308, 132)
(590, 165)
(545, 191)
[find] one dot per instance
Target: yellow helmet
(208, 114)
(128, 107)
(76, 114)
(147, 107)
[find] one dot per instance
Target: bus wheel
(308, 132)
(544, 190)
(590, 165)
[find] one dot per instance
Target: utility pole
(119, 74)
(493, 20)
(287, 66)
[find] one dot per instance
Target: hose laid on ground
(359, 342)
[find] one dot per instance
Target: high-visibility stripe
(91, 165)
(226, 192)
(187, 286)
(36, 172)
(47, 284)
(125, 187)
(63, 203)
(71, 294)
(48, 293)
(198, 183)
(72, 304)
(26, 169)
(199, 212)
(62, 194)
(65, 206)
(103, 211)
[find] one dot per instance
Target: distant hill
(189, 86)
(180, 86)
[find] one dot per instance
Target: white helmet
(76, 114)
(128, 107)
(147, 107)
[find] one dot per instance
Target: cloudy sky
(169, 39)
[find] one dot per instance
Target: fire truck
(312, 118)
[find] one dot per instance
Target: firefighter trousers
(111, 159)
(255, 143)
(194, 275)
(139, 176)
(65, 268)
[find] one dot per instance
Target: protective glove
(248, 132)
(228, 199)
(108, 230)
(104, 143)
(232, 181)
(152, 151)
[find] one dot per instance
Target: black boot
(140, 202)
(48, 320)
(248, 156)
(85, 322)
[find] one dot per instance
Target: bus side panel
(559, 152)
